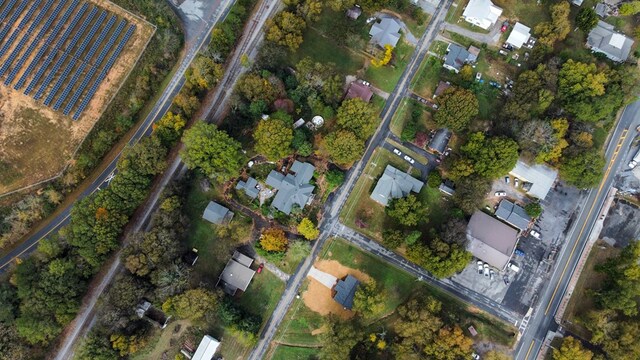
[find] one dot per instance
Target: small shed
(446, 189)
(354, 12)
(207, 348)
(345, 290)
(217, 214)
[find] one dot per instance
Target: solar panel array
(64, 65)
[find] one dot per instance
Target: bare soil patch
(37, 143)
(318, 297)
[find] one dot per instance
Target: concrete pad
(493, 289)
(325, 279)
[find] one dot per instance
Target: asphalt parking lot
(560, 208)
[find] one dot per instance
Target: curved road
(542, 319)
(197, 35)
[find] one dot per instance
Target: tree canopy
(211, 150)
(344, 147)
(274, 239)
(586, 19)
(571, 349)
(456, 108)
(488, 157)
(408, 210)
(358, 116)
(582, 169)
(558, 28)
(273, 138)
(286, 29)
(308, 229)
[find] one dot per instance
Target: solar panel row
(65, 54)
(34, 44)
(75, 58)
(92, 51)
(54, 51)
(104, 72)
(26, 37)
(6, 10)
(42, 50)
(9, 24)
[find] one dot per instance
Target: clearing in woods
(36, 142)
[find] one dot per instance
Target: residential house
(207, 348)
(442, 87)
(537, 179)
(357, 89)
(217, 214)
(513, 215)
(491, 240)
(237, 274)
(354, 12)
(439, 141)
(250, 187)
(481, 13)
(457, 57)
(605, 40)
(345, 290)
(293, 189)
(394, 184)
(519, 36)
(385, 32)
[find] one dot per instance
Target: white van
(513, 267)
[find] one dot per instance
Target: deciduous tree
(213, 151)
(192, 304)
(204, 73)
(571, 349)
(308, 229)
(408, 211)
(344, 147)
(286, 29)
(587, 19)
(358, 116)
(274, 239)
(368, 300)
(583, 169)
(457, 106)
(273, 139)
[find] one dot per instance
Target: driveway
(424, 168)
(492, 38)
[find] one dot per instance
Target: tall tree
(273, 139)
(204, 73)
(571, 349)
(344, 147)
(408, 211)
(368, 300)
(308, 229)
(489, 157)
(192, 304)
(583, 169)
(358, 116)
(586, 19)
(274, 239)
(558, 28)
(456, 108)
(286, 29)
(219, 156)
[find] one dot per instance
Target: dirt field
(36, 143)
(318, 297)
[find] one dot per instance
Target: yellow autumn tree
(308, 229)
(388, 54)
(274, 239)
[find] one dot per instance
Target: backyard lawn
(322, 49)
(427, 78)
(283, 352)
(403, 114)
(386, 77)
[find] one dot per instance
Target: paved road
(332, 208)
(478, 300)
(194, 41)
(542, 319)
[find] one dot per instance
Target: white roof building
(207, 348)
(537, 179)
(604, 39)
(519, 35)
(482, 13)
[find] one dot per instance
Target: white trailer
(635, 160)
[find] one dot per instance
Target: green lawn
(528, 12)
(323, 50)
(262, 295)
(299, 323)
(386, 77)
(283, 352)
(403, 114)
(427, 78)
(215, 244)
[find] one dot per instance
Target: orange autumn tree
(274, 239)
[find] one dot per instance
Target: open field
(73, 70)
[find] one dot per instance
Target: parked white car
(535, 234)
(501, 193)
(480, 267)
(486, 270)
(514, 267)
(397, 152)
(409, 159)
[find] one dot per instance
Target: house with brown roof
(358, 89)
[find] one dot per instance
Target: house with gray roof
(293, 188)
(217, 214)
(237, 274)
(345, 290)
(387, 31)
(440, 140)
(457, 57)
(605, 40)
(491, 240)
(537, 179)
(513, 215)
(394, 184)
(446, 188)
(250, 187)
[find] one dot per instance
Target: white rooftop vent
(317, 121)
(617, 40)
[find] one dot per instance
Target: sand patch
(320, 330)
(318, 297)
